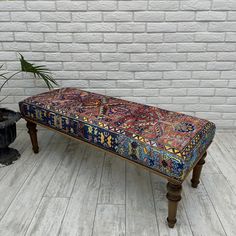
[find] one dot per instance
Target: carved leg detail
(197, 171)
(173, 196)
(33, 135)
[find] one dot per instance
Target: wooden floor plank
(200, 211)
(140, 211)
(21, 211)
(225, 160)
(182, 226)
(109, 220)
(79, 217)
(62, 183)
(48, 218)
(223, 199)
(112, 189)
(18, 173)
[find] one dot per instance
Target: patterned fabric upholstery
(166, 141)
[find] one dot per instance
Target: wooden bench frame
(174, 187)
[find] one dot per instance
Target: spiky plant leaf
(40, 72)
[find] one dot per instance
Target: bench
(168, 143)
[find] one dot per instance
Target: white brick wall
(176, 54)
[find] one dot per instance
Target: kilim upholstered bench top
(168, 142)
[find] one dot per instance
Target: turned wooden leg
(173, 196)
(33, 135)
(197, 171)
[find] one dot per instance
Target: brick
(58, 56)
(66, 75)
(58, 37)
(4, 16)
(191, 66)
(86, 16)
(12, 5)
(192, 26)
(184, 100)
(56, 16)
(132, 5)
(131, 47)
(77, 66)
(162, 66)
(145, 92)
(102, 5)
(163, 5)
(231, 100)
(102, 47)
(145, 57)
(224, 5)
(120, 75)
(117, 37)
(41, 5)
(8, 56)
(86, 56)
(196, 107)
(191, 47)
(12, 27)
(117, 16)
(209, 115)
(193, 5)
(149, 16)
(179, 37)
(218, 47)
(133, 66)
(156, 84)
(71, 27)
(94, 75)
(211, 16)
(220, 66)
(231, 16)
(75, 83)
(230, 37)
(201, 91)
(157, 100)
(172, 57)
(222, 26)
(71, 5)
(173, 75)
(206, 74)
(173, 92)
(118, 92)
(226, 92)
(15, 46)
(25, 16)
(101, 27)
(107, 66)
(129, 84)
(214, 83)
(161, 47)
(75, 47)
(148, 75)
(179, 16)
(102, 83)
(185, 83)
(161, 27)
(42, 27)
(44, 47)
(148, 38)
(205, 56)
(209, 37)
(130, 27)
(28, 37)
(115, 57)
(88, 37)
(226, 56)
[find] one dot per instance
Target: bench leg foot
(173, 196)
(33, 135)
(197, 171)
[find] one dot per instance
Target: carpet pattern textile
(166, 141)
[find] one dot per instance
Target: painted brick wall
(179, 55)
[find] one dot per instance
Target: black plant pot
(8, 121)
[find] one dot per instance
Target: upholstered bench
(170, 144)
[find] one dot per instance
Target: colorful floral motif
(166, 141)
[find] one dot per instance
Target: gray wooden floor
(70, 188)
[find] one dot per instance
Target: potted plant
(9, 118)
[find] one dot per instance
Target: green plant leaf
(40, 72)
